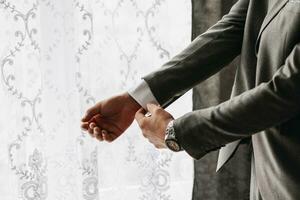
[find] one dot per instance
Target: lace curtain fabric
(57, 58)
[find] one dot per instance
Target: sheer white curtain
(57, 58)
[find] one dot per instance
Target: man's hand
(154, 126)
(109, 118)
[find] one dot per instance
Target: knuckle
(110, 140)
(142, 124)
(99, 137)
(136, 115)
(83, 127)
(158, 111)
(144, 134)
(89, 111)
(92, 135)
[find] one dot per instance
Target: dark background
(232, 182)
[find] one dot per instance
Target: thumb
(140, 114)
(90, 113)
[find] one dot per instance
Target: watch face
(173, 145)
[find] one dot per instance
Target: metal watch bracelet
(170, 138)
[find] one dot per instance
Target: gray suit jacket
(265, 102)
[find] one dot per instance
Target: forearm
(265, 106)
(206, 55)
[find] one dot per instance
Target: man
(265, 103)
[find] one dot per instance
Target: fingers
(106, 124)
(91, 127)
(90, 113)
(98, 134)
(140, 115)
(100, 129)
(108, 137)
(85, 126)
(101, 135)
(158, 146)
(151, 127)
(152, 107)
(141, 120)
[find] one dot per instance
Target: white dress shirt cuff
(142, 94)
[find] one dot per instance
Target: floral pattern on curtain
(57, 58)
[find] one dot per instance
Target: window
(57, 59)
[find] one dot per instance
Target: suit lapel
(273, 12)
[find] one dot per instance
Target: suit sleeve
(142, 94)
(265, 106)
(206, 55)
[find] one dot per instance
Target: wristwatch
(170, 138)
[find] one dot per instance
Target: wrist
(132, 103)
(170, 138)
